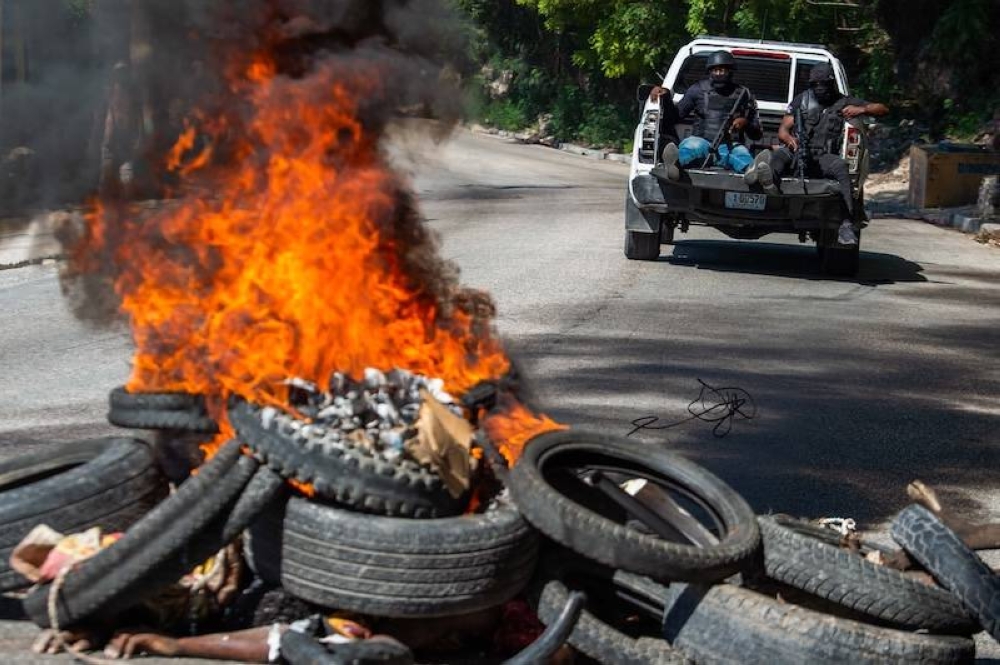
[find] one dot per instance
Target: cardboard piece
(443, 442)
(44, 552)
(949, 175)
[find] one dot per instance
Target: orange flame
(285, 271)
(514, 425)
(289, 267)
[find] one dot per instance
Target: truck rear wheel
(667, 230)
(642, 246)
(838, 260)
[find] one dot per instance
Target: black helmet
(821, 73)
(721, 59)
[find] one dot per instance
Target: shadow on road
(761, 258)
(839, 430)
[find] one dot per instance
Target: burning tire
(179, 412)
(109, 483)
(726, 623)
(951, 562)
(550, 489)
(204, 514)
(808, 558)
(120, 399)
(394, 567)
(181, 421)
(342, 471)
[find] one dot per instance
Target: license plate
(746, 201)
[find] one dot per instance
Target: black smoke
(410, 51)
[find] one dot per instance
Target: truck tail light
(852, 148)
(647, 145)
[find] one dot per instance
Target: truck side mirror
(642, 92)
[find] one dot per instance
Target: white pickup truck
(775, 72)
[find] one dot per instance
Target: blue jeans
(694, 149)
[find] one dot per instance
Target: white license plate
(746, 201)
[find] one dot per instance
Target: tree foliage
(924, 51)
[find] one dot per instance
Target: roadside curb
(550, 142)
(961, 219)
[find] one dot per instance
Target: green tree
(934, 56)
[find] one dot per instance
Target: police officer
(824, 110)
(711, 100)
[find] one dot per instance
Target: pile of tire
(378, 538)
(740, 587)
(691, 575)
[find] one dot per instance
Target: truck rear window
(767, 78)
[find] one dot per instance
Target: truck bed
(722, 198)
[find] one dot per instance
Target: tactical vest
(823, 124)
(716, 109)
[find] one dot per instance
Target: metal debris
(379, 412)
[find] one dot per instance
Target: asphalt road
(859, 386)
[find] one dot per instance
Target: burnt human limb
(246, 646)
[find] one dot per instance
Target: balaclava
(823, 84)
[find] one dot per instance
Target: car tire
(180, 533)
(641, 246)
(191, 420)
(600, 641)
(730, 624)
(667, 232)
(597, 537)
(393, 567)
(938, 549)
(839, 261)
(120, 398)
(110, 483)
(348, 474)
(807, 557)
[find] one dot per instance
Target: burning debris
(379, 412)
(395, 418)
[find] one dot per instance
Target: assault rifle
(802, 152)
(727, 125)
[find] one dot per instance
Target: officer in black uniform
(824, 110)
(711, 100)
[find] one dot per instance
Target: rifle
(802, 153)
(726, 126)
